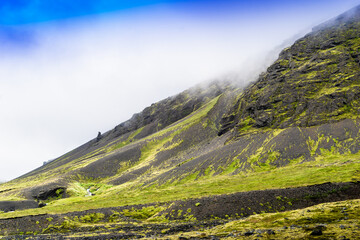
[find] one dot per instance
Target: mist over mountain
(57, 70)
(274, 155)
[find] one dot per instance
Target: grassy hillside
(298, 125)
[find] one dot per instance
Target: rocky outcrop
(58, 192)
(46, 192)
(315, 81)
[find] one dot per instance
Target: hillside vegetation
(297, 125)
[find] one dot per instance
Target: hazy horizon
(67, 74)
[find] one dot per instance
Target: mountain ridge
(323, 57)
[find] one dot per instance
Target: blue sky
(17, 15)
(69, 69)
(15, 12)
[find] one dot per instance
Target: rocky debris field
(8, 206)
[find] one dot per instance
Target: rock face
(98, 138)
(315, 81)
(48, 191)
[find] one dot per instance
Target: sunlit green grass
(329, 168)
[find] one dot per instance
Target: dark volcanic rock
(249, 233)
(98, 138)
(51, 193)
(47, 191)
(8, 206)
(316, 232)
(247, 203)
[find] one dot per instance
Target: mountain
(313, 82)
(216, 153)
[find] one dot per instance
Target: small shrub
(59, 193)
(180, 213)
(114, 217)
(190, 218)
(92, 218)
(143, 213)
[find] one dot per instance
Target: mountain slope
(297, 125)
(304, 106)
(315, 81)
(128, 151)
